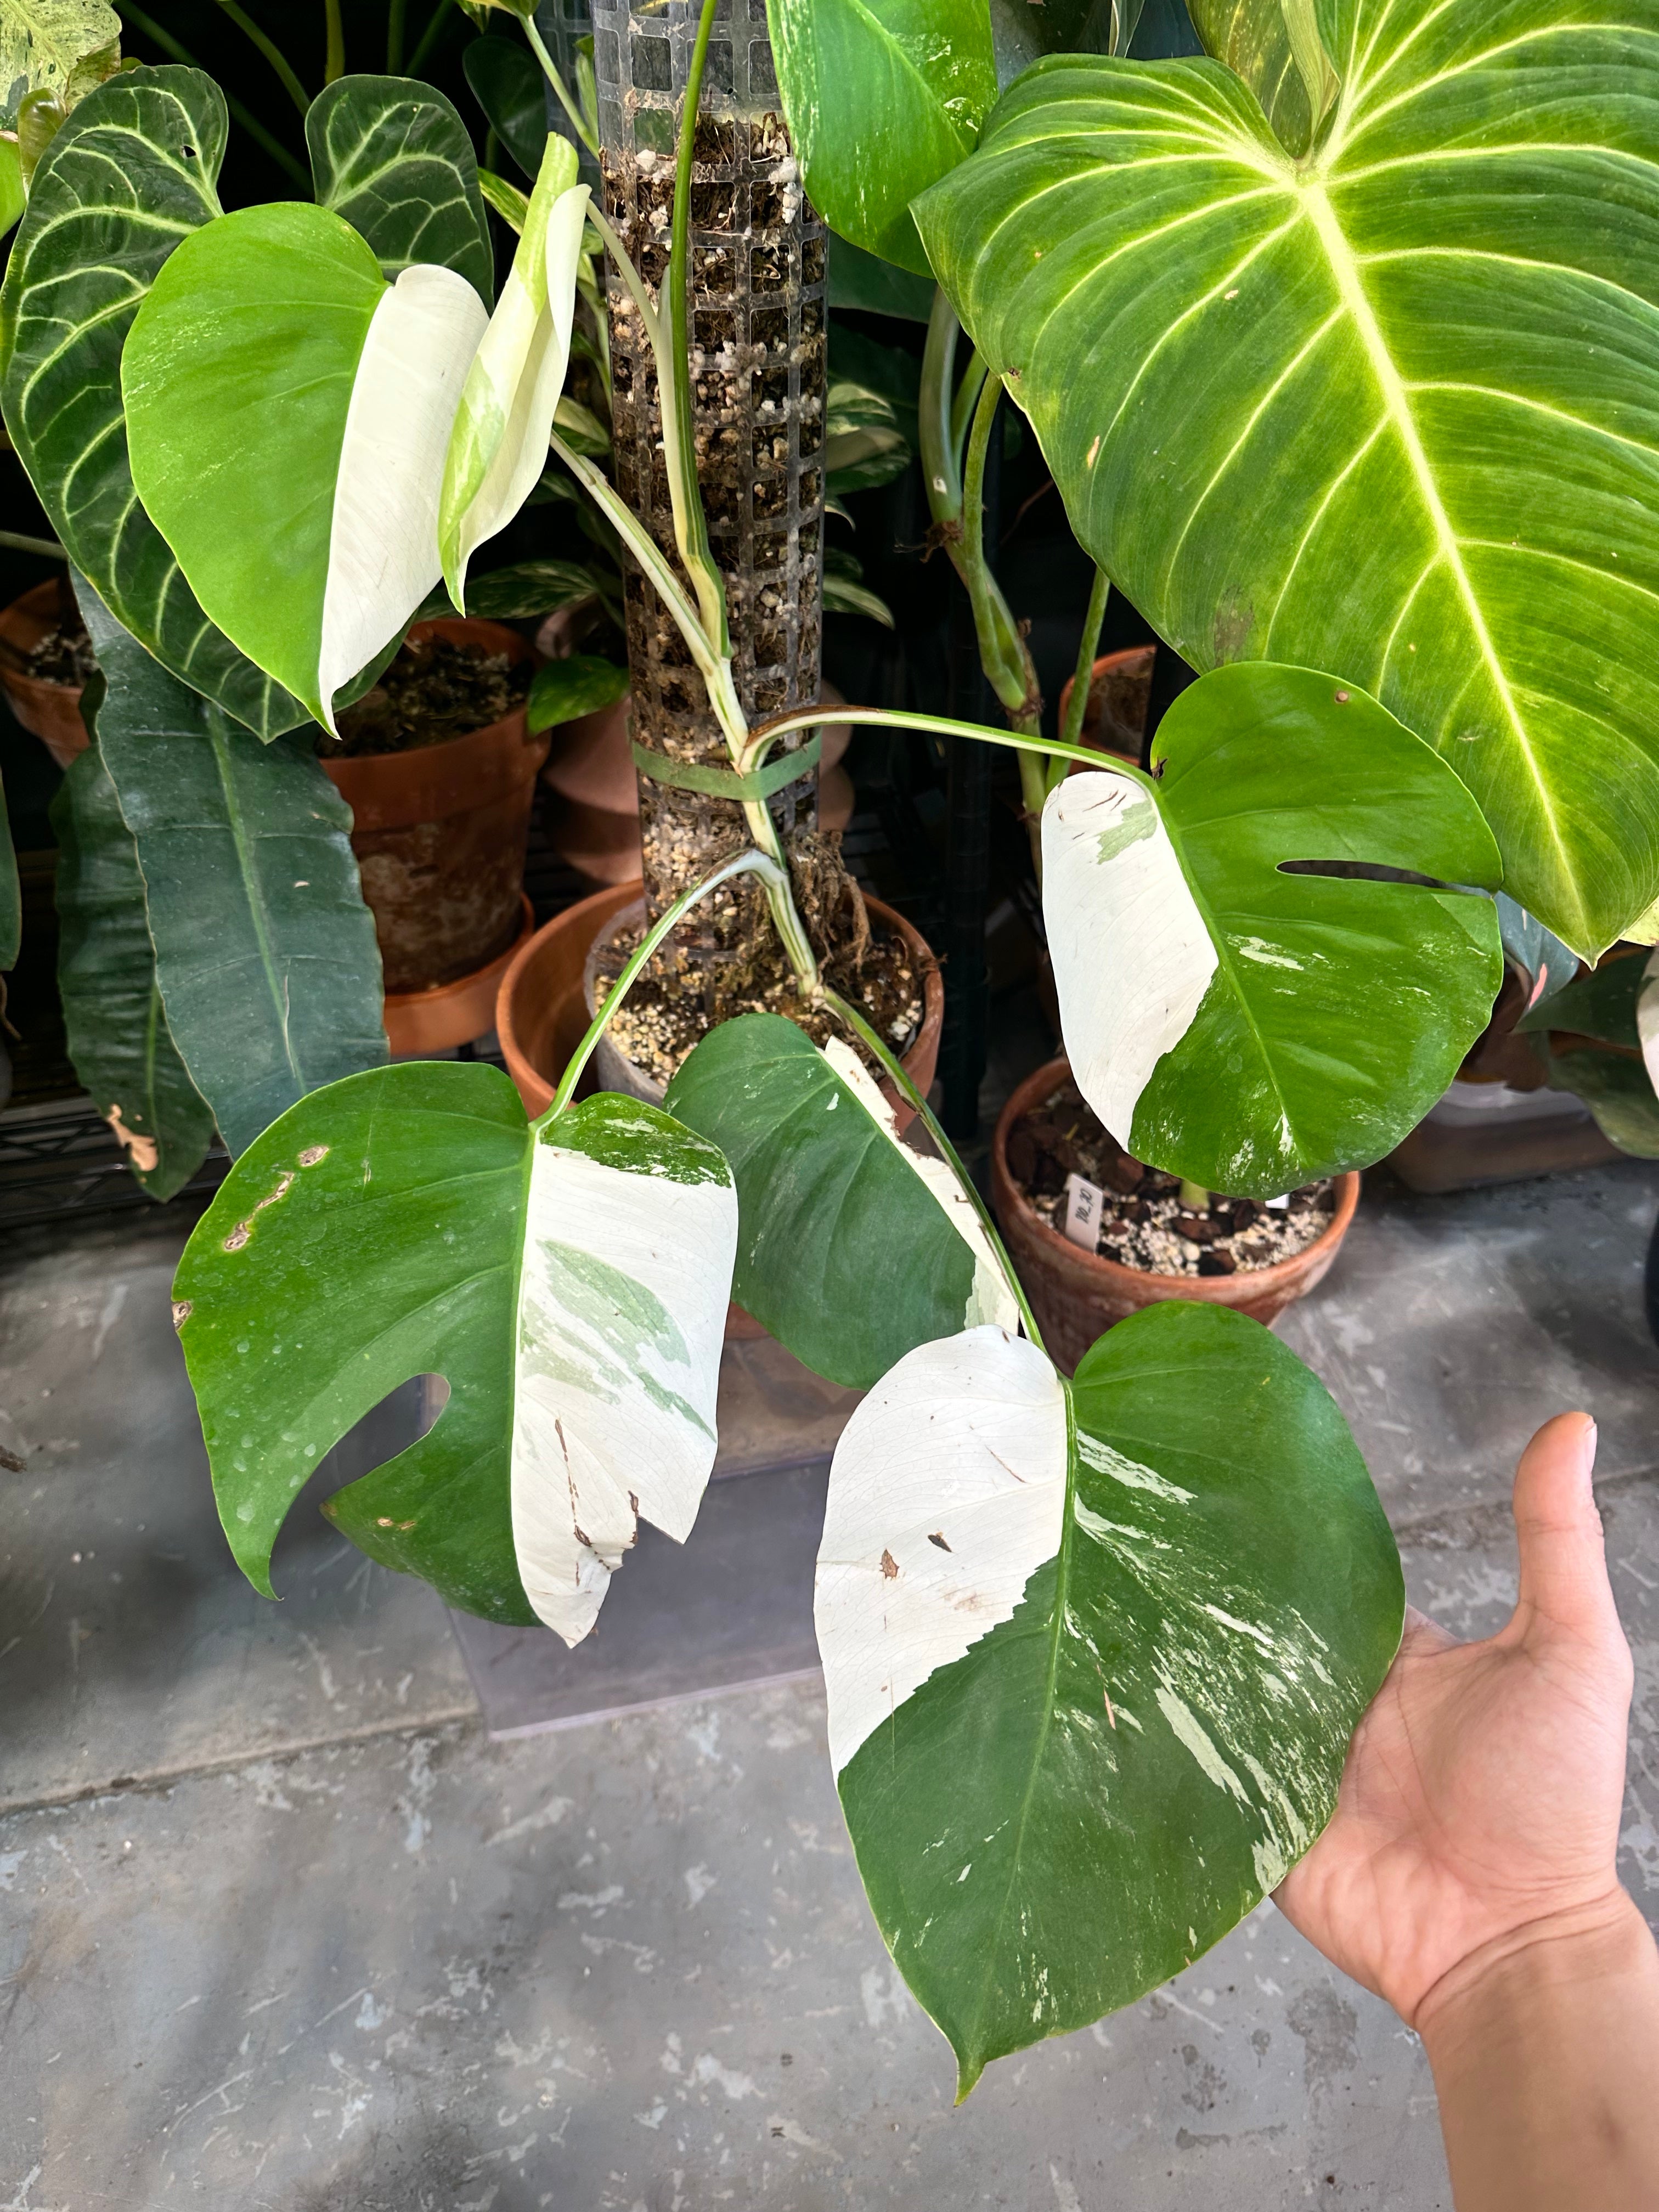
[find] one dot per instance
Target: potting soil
(433, 691)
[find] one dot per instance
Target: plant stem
(1194, 1197)
(436, 24)
(334, 66)
(272, 52)
(941, 447)
(48, 549)
(551, 69)
(680, 433)
(750, 863)
(1002, 648)
(394, 37)
(1087, 650)
(247, 122)
(900, 1076)
(899, 718)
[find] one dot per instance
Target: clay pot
(440, 834)
(1076, 1295)
(1120, 698)
(50, 712)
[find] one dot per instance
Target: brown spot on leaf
(936, 1538)
(384, 1522)
(889, 1565)
(143, 1151)
(238, 1237)
(312, 1154)
(182, 1311)
(1342, 698)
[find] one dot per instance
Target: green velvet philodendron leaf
(117, 1027)
(883, 97)
(1275, 46)
(1243, 1026)
(499, 446)
(287, 413)
(63, 47)
(852, 1248)
(1390, 412)
(571, 1288)
(393, 158)
(507, 83)
(1092, 1657)
(264, 952)
(129, 176)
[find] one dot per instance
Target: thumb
(1563, 1571)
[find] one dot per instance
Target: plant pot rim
(1203, 1287)
(443, 750)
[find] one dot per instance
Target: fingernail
(1590, 1449)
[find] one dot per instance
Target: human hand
(1482, 1791)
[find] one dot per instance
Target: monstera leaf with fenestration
(393, 158)
(1390, 411)
(130, 174)
(1230, 1016)
(569, 1282)
(265, 956)
(115, 1023)
(853, 1248)
(1093, 1654)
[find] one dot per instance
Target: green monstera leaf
(1093, 1655)
(116, 1026)
(393, 158)
(1388, 412)
(568, 1281)
(264, 952)
(852, 1248)
(1230, 1016)
(129, 176)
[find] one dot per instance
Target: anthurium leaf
(393, 158)
(264, 952)
(852, 1248)
(287, 413)
(1275, 46)
(1602, 1005)
(883, 97)
(507, 83)
(65, 47)
(572, 1292)
(1146, 1631)
(1619, 1091)
(131, 173)
(12, 895)
(1237, 1024)
(498, 448)
(864, 280)
(117, 1027)
(1387, 412)
(565, 690)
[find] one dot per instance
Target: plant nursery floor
(280, 1926)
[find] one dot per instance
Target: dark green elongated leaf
(572, 1292)
(506, 82)
(866, 282)
(1602, 1005)
(1091, 1683)
(393, 158)
(118, 1031)
(1389, 412)
(883, 97)
(129, 175)
(11, 895)
(565, 690)
(1619, 1091)
(264, 950)
(851, 1247)
(1275, 46)
(1229, 1019)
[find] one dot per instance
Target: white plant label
(1084, 1203)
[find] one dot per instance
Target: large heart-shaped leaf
(852, 1248)
(570, 1286)
(1275, 46)
(117, 1027)
(883, 97)
(1093, 1656)
(264, 952)
(509, 85)
(393, 158)
(1390, 411)
(63, 47)
(1242, 1025)
(130, 174)
(287, 413)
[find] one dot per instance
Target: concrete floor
(281, 1928)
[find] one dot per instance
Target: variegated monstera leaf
(568, 1281)
(1093, 1652)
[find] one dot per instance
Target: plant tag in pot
(1083, 1207)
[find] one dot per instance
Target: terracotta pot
(1120, 696)
(419, 1024)
(1076, 1295)
(440, 834)
(50, 712)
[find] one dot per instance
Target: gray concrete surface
(281, 1928)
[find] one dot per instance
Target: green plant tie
(728, 782)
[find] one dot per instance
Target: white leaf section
(383, 548)
(621, 1314)
(1647, 1017)
(1132, 955)
(947, 1494)
(989, 1298)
